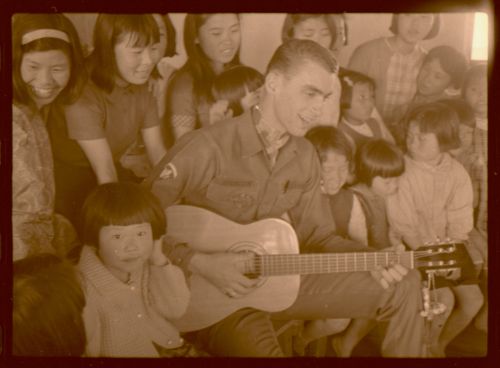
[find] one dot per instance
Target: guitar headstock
(439, 256)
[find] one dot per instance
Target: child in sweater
(434, 201)
(132, 290)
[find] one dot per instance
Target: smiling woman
(92, 134)
(212, 43)
(47, 71)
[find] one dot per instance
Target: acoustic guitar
(277, 260)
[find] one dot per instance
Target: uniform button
(169, 342)
(139, 315)
(132, 288)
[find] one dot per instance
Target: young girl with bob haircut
(357, 104)
(47, 304)
(235, 91)
(434, 201)
(212, 43)
(131, 289)
(114, 108)
(47, 66)
(394, 62)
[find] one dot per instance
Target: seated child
(235, 90)
(359, 214)
(379, 164)
(131, 289)
(357, 103)
(440, 77)
(47, 308)
(434, 201)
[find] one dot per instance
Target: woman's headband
(44, 33)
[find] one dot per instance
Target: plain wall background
(261, 34)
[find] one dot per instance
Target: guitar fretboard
(292, 264)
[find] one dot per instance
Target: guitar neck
(293, 264)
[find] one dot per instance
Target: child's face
(362, 102)
(219, 38)
(46, 74)
(315, 29)
(432, 79)
(125, 248)
(334, 171)
(135, 63)
(476, 95)
(422, 146)
(385, 187)
(413, 28)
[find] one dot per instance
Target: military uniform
(225, 168)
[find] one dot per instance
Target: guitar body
(207, 232)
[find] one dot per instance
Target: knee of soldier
(411, 286)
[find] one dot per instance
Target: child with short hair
(47, 303)
(235, 90)
(434, 201)
(132, 290)
(357, 103)
(359, 213)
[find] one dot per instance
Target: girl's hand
(157, 257)
(219, 111)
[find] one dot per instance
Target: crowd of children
(401, 144)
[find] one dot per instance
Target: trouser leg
(245, 333)
(358, 295)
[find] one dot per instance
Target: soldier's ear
(273, 82)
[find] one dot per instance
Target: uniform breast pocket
(234, 193)
(291, 195)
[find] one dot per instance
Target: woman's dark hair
(293, 19)
(197, 62)
(348, 79)
(233, 84)
(25, 23)
(328, 138)
(436, 25)
(439, 119)
(464, 111)
(120, 204)
(109, 30)
(377, 157)
(452, 62)
(47, 308)
(171, 49)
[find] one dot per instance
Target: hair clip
(348, 81)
